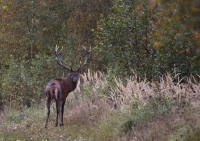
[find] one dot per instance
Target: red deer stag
(59, 88)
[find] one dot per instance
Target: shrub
(23, 82)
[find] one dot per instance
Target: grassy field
(105, 108)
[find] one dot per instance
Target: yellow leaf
(194, 10)
(158, 44)
(4, 7)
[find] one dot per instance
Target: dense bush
(123, 38)
(149, 38)
(23, 83)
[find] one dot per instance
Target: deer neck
(70, 83)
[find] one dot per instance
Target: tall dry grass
(130, 90)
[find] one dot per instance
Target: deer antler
(57, 54)
(86, 59)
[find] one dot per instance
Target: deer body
(66, 85)
(59, 88)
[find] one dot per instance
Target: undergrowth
(106, 108)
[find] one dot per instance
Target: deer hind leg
(62, 111)
(57, 112)
(48, 108)
(57, 99)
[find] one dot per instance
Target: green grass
(106, 124)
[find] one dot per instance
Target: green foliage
(23, 82)
(193, 134)
(149, 38)
(30, 28)
(155, 107)
(176, 37)
(122, 39)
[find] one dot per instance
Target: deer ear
(80, 71)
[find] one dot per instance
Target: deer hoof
(61, 124)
